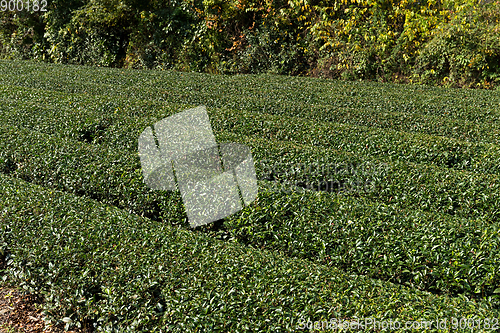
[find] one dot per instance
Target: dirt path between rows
(21, 313)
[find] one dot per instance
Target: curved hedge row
(397, 189)
(103, 268)
(463, 115)
(119, 123)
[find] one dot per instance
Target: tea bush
(409, 198)
(78, 168)
(463, 115)
(102, 268)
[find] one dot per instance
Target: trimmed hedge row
(119, 123)
(406, 184)
(114, 177)
(87, 170)
(100, 267)
(360, 140)
(425, 250)
(91, 119)
(462, 115)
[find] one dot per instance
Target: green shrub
(114, 177)
(465, 51)
(112, 271)
(452, 42)
(428, 178)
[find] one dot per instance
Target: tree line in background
(448, 42)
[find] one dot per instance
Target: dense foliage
(403, 224)
(452, 42)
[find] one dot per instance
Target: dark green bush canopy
(452, 43)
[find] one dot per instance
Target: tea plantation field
(393, 213)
